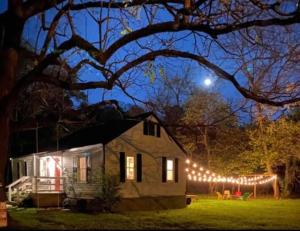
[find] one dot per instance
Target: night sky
(88, 30)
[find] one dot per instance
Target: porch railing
(36, 185)
(18, 185)
(47, 184)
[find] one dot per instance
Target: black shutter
(176, 170)
(75, 168)
(25, 168)
(122, 166)
(158, 130)
(139, 167)
(145, 127)
(164, 169)
(18, 170)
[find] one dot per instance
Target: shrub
(26, 202)
(108, 193)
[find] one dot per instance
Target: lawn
(204, 213)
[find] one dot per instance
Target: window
(82, 169)
(130, 168)
(170, 170)
(151, 128)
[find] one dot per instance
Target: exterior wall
(152, 149)
(150, 203)
(78, 189)
(14, 166)
(71, 187)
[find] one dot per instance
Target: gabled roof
(106, 132)
(101, 133)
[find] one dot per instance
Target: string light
(195, 174)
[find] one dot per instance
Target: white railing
(47, 184)
(36, 185)
(18, 184)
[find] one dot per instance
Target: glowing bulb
(187, 161)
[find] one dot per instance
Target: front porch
(37, 175)
(45, 191)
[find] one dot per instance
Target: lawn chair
(236, 195)
(246, 196)
(220, 196)
(226, 194)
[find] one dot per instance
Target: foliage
(282, 138)
(278, 144)
(209, 128)
(23, 199)
(108, 192)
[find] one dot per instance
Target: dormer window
(151, 128)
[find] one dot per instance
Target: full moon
(207, 82)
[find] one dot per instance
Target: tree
(127, 40)
(209, 130)
(168, 97)
(278, 145)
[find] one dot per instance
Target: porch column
(34, 166)
(34, 180)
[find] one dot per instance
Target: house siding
(21, 161)
(88, 189)
(152, 149)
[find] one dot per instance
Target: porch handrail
(20, 180)
(10, 186)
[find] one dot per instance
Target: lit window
(170, 169)
(82, 169)
(129, 167)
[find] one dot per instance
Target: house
(140, 151)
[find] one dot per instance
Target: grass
(205, 213)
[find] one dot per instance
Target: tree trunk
(260, 121)
(289, 176)
(8, 66)
(275, 184)
(4, 138)
(11, 27)
(208, 156)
